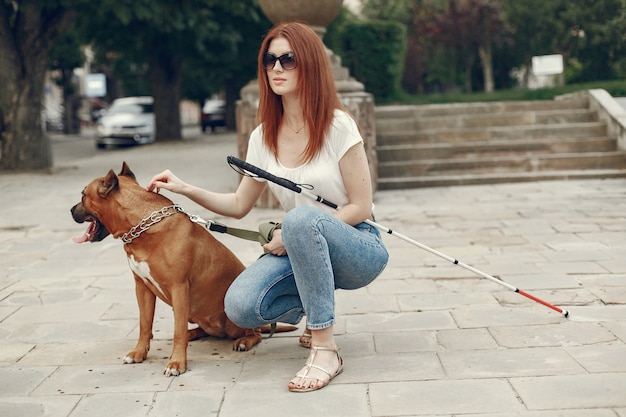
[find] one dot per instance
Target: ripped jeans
(323, 254)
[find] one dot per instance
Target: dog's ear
(126, 172)
(108, 184)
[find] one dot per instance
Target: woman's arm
(235, 205)
(358, 182)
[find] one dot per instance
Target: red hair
(318, 95)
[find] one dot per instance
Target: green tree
(154, 37)
(587, 38)
(28, 29)
(616, 29)
(536, 28)
(170, 36)
(421, 34)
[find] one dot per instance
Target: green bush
(374, 52)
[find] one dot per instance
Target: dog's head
(98, 199)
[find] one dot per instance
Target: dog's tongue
(82, 239)
(85, 238)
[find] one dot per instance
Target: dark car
(213, 115)
(129, 121)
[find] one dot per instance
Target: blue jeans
(323, 254)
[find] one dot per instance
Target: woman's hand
(168, 181)
(276, 245)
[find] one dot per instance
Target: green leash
(263, 236)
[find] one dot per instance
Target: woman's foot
(305, 339)
(323, 364)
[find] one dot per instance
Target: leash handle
(244, 166)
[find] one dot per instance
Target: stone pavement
(427, 338)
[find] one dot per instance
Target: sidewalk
(427, 338)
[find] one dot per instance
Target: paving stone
(610, 295)
(336, 400)
(444, 301)
(553, 413)
(360, 304)
(204, 403)
(566, 333)
(401, 285)
(79, 353)
(429, 320)
(60, 406)
(430, 398)
(600, 358)
(579, 267)
(496, 317)
(12, 353)
(597, 313)
(410, 341)
(62, 332)
(55, 312)
(21, 381)
(128, 404)
(617, 328)
(466, 339)
(556, 297)
(572, 391)
(530, 282)
(508, 363)
(82, 380)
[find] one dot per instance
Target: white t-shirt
(322, 173)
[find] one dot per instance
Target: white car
(129, 121)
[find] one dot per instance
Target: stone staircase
(480, 143)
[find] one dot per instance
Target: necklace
(296, 131)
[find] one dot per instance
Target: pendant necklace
(296, 131)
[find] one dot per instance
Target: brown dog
(171, 258)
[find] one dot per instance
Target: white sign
(95, 85)
(547, 65)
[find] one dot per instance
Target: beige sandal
(310, 365)
(305, 339)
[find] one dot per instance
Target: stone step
(474, 143)
(454, 109)
(399, 183)
(502, 164)
(462, 121)
(446, 135)
(495, 148)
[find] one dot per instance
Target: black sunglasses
(287, 61)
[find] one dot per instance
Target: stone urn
(317, 13)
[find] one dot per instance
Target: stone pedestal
(351, 92)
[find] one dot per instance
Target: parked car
(213, 114)
(129, 121)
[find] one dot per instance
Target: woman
(304, 135)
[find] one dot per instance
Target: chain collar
(145, 224)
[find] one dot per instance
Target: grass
(616, 88)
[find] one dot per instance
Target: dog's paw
(244, 344)
(136, 356)
(171, 372)
(174, 369)
(240, 347)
